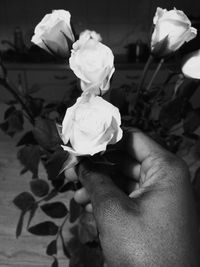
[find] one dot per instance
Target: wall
(119, 22)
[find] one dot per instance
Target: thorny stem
(143, 76)
(155, 74)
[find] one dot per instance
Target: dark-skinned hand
(154, 224)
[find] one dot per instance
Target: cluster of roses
(92, 123)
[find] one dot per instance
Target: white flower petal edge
(173, 25)
(92, 62)
(191, 65)
(49, 35)
(90, 125)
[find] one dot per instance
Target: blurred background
(45, 86)
(120, 23)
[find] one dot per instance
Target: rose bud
(172, 29)
(90, 125)
(92, 62)
(54, 33)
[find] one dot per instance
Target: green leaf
(45, 132)
(44, 229)
(24, 201)
(29, 156)
(39, 187)
(55, 209)
(75, 210)
(20, 224)
(52, 248)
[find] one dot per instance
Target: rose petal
(191, 65)
(94, 125)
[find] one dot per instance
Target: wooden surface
(27, 250)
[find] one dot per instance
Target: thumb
(108, 201)
(115, 213)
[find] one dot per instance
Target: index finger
(139, 145)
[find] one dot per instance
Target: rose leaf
(55, 209)
(75, 210)
(39, 187)
(29, 156)
(52, 248)
(44, 229)
(24, 201)
(20, 224)
(46, 134)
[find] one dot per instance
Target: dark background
(119, 22)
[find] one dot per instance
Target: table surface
(27, 250)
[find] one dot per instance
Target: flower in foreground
(172, 29)
(54, 33)
(92, 62)
(90, 125)
(191, 65)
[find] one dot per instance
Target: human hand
(156, 224)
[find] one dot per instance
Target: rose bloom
(92, 62)
(90, 125)
(54, 33)
(172, 29)
(191, 65)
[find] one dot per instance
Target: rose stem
(13, 92)
(6, 84)
(143, 76)
(155, 73)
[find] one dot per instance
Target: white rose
(84, 37)
(90, 125)
(54, 33)
(191, 65)
(92, 62)
(172, 30)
